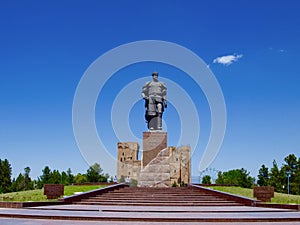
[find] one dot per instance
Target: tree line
(24, 182)
(284, 179)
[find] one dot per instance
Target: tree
(277, 178)
(45, 178)
(19, 183)
(96, 167)
(291, 166)
(29, 184)
(246, 180)
(23, 181)
(70, 176)
(5, 176)
(92, 175)
(64, 178)
(297, 178)
(220, 179)
(206, 179)
(80, 178)
(95, 174)
(291, 162)
(55, 177)
(263, 176)
(238, 177)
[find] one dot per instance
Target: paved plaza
(8, 221)
(119, 204)
(90, 214)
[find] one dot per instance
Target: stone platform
(70, 214)
(161, 166)
(168, 166)
(190, 205)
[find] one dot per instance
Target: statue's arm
(144, 95)
(164, 94)
(145, 91)
(165, 102)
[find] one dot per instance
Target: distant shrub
(174, 184)
(133, 183)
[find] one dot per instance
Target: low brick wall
(279, 206)
(27, 204)
(11, 204)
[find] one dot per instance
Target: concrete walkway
(9, 221)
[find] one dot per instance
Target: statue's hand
(144, 96)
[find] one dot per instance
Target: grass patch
(38, 195)
(286, 199)
(24, 196)
(70, 190)
(248, 192)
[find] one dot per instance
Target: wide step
(186, 196)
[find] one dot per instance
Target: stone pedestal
(161, 166)
(264, 193)
(153, 143)
(171, 165)
(53, 191)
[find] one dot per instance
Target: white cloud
(227, 59)
(281, 50)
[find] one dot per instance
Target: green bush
(133, 183)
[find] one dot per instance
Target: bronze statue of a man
(155, 95)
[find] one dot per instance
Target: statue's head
(155, 75)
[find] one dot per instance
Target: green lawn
(247, 192)
(38, 195)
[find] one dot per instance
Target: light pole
(288, 174)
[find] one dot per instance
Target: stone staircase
(157, 172)
(120, 204)
(145, 196)
(170, 165)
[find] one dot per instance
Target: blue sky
(46, 47)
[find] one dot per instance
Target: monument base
(161, 166)
(153, 143)
(171, 166)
